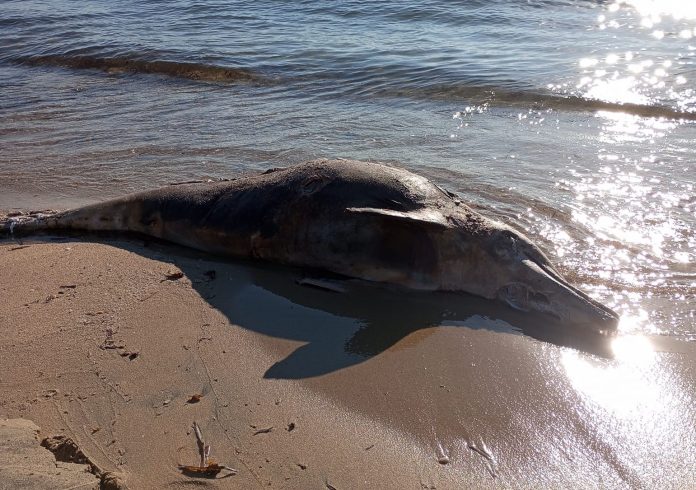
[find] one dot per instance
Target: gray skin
(358, 219)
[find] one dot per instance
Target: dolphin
(362, 220)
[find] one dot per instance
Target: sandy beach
(121, 345)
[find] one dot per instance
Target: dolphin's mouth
(545, 291)
(523, 298)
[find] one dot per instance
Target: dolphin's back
(322, 214)
(363, 219)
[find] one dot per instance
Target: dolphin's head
(506, 265)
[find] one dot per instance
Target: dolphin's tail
(22, 224)
(105, 216)
(124, 214)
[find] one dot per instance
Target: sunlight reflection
(631, 324)
(610, 227)
(620, 127)
(653, 9)
(624, 74)
(627, 386)
(630, 240)
(618, 90)
(632, 349)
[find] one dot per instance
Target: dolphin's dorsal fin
(419, 216)
(207, 181)
(273, 169)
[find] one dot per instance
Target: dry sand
(107, 342)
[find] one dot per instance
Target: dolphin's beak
(542, 289)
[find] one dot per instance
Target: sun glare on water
(679, 9)
(626, 386)
(635, 393)
(629, 70)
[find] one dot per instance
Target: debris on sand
(173, 276)
(442, 456)
(207, 468)
(265, 430)
(194, 398)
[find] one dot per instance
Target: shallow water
(573, 120)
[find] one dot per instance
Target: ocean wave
(508, 96)
(370, 83)
(190, 71)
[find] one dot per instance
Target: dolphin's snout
(579, 310)
(543, 290)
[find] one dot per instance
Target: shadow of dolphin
(341, 329)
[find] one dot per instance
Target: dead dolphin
(358, 219)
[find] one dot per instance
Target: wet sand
(107, 342)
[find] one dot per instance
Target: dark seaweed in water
(191, 71)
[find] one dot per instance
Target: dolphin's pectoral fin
(421, 216)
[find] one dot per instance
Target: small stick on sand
(207, 468)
